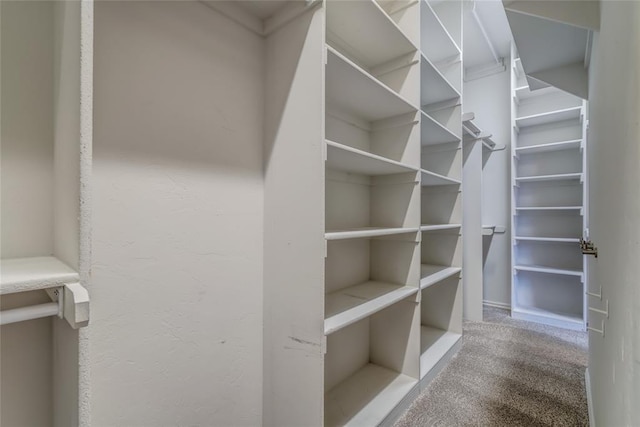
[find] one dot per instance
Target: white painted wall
(489, 98)
(614, 154)
(176, 328)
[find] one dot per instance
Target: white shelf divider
(347, 306)
(434, 345)
(432, 179)
(351, 90)
(433, 133)
(366, 232)
(437, 44)
(28, 274)
(555, 177)
(432, 274)
(548, 117)
(548, 270)
(344, 158)
(367, 397)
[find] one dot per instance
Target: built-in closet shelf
(555, 177)
(566, 320)
(344, 158)
(434, 345)
(548, 239)
(347, 306)
(437, 44)
(554, 146)
(433, 133)
(365, 232)
(548, 270)
(432, 274)
(28, 274)
(351, 90)
(437, 227)
(577, 209)
(432, 179)
(435, 87)
(366, 31)
(548, 117)
(367, 397)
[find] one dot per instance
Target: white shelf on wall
(548, 270)
(366, 232)
(352, 90)
(548, 239)
(432, 179)
(548, 208)
(28, 274)
(555, 177)
(554, 146)
(432, 274)
(433, 133)
(434, 345)
(548, 117)
(366, 397)
(373, 38)
(344, 158)
(437, 44)
(348, 305)
(566, 320)
(438, 227)
(436, 87)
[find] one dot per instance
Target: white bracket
(604, 312)
(592, 294)
(600, 331)
(73, 304)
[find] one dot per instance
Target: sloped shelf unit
(549, 194)
(36, 273)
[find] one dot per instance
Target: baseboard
(496, 304)
(587, 383)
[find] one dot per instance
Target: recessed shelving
(437, 44)
(548, 117)
(432, 179)
(353, 91)
(554, 177)
(437, 227)
(435, 88)
(548, 270)
(365, 232)
(28, 274)
(365, 32)
(348, 305)
(432, 274)
(554, 146)
(349, 159)
(366, 397)
(434, 345)
(433, 133)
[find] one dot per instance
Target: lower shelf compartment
(432, 274)
(347, 306)
(367, 397)
(434, 345)
(547, 317)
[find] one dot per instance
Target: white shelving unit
(46, 168)
(549, 194)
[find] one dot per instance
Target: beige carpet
(508, 373)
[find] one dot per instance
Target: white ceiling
(262, 8)
(491, 14)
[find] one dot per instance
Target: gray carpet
(508, 373)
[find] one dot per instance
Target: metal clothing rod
(29, 313)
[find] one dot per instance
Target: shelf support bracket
(604, 312)
(598, 295)
(600, 331)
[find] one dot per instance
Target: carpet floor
(508, 373)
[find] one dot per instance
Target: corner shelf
(432, 179)
(434, 345)
(555, 177)
(432, 274)
(433, 133)
(548, 117)
(548, 270)
(36, 273)
(440, 44)
(352, 90)
(435, 88)
(366, 397)
(348, 305)
(366, 232)
(349, 159)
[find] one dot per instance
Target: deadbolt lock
(588, 248)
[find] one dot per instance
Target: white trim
(587, 383)
(496, 304)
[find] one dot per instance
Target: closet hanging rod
(23, 314)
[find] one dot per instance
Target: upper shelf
(344, 158)
(436, 42)
(434, 86)
(352, 90)
(366, 232)
(555, 177)
(554, 146)
(432, 179)
(549, 117)
(28, 274)
(364, 31)
(433, 133)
